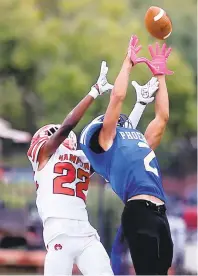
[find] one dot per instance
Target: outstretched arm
(144, 96)
(118, 94)
(156, 128)
(108, 130)
(68, 124)
(76, 114)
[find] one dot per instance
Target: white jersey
(62, 185)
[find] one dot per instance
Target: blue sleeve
(87, 133)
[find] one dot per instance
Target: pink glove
(159, 59)
(133, 49)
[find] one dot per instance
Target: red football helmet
(48, 130)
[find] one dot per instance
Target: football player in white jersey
(61, 174)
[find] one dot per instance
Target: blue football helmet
(122, 122)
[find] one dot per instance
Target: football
(158, 23)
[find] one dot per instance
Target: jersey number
(69, 178)
(148, 159)
(147, 165)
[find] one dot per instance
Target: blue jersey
(130, 165)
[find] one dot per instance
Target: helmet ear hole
(45, 131)
(52, 130)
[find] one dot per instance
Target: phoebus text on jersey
(132, 135)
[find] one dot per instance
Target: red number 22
(69, 178)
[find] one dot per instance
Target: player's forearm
(112, 114)
(136, 114)
(68, 124)
(76, 114)
(120, 87)
(162, 101)
(156, 128)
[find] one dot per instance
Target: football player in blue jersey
(125, 157)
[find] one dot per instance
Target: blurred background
(50, 55)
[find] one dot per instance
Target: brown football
(158, 23)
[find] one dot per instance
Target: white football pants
(86, 252)
(74, 242)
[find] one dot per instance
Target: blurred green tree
(51, 54)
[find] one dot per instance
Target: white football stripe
(167, 35)
(160, 14)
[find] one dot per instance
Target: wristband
(93, 92)
(142, 103)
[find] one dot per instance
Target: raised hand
(158, 64)
(145, 93)
(102, 83)
(133, 50)
(102, 86)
